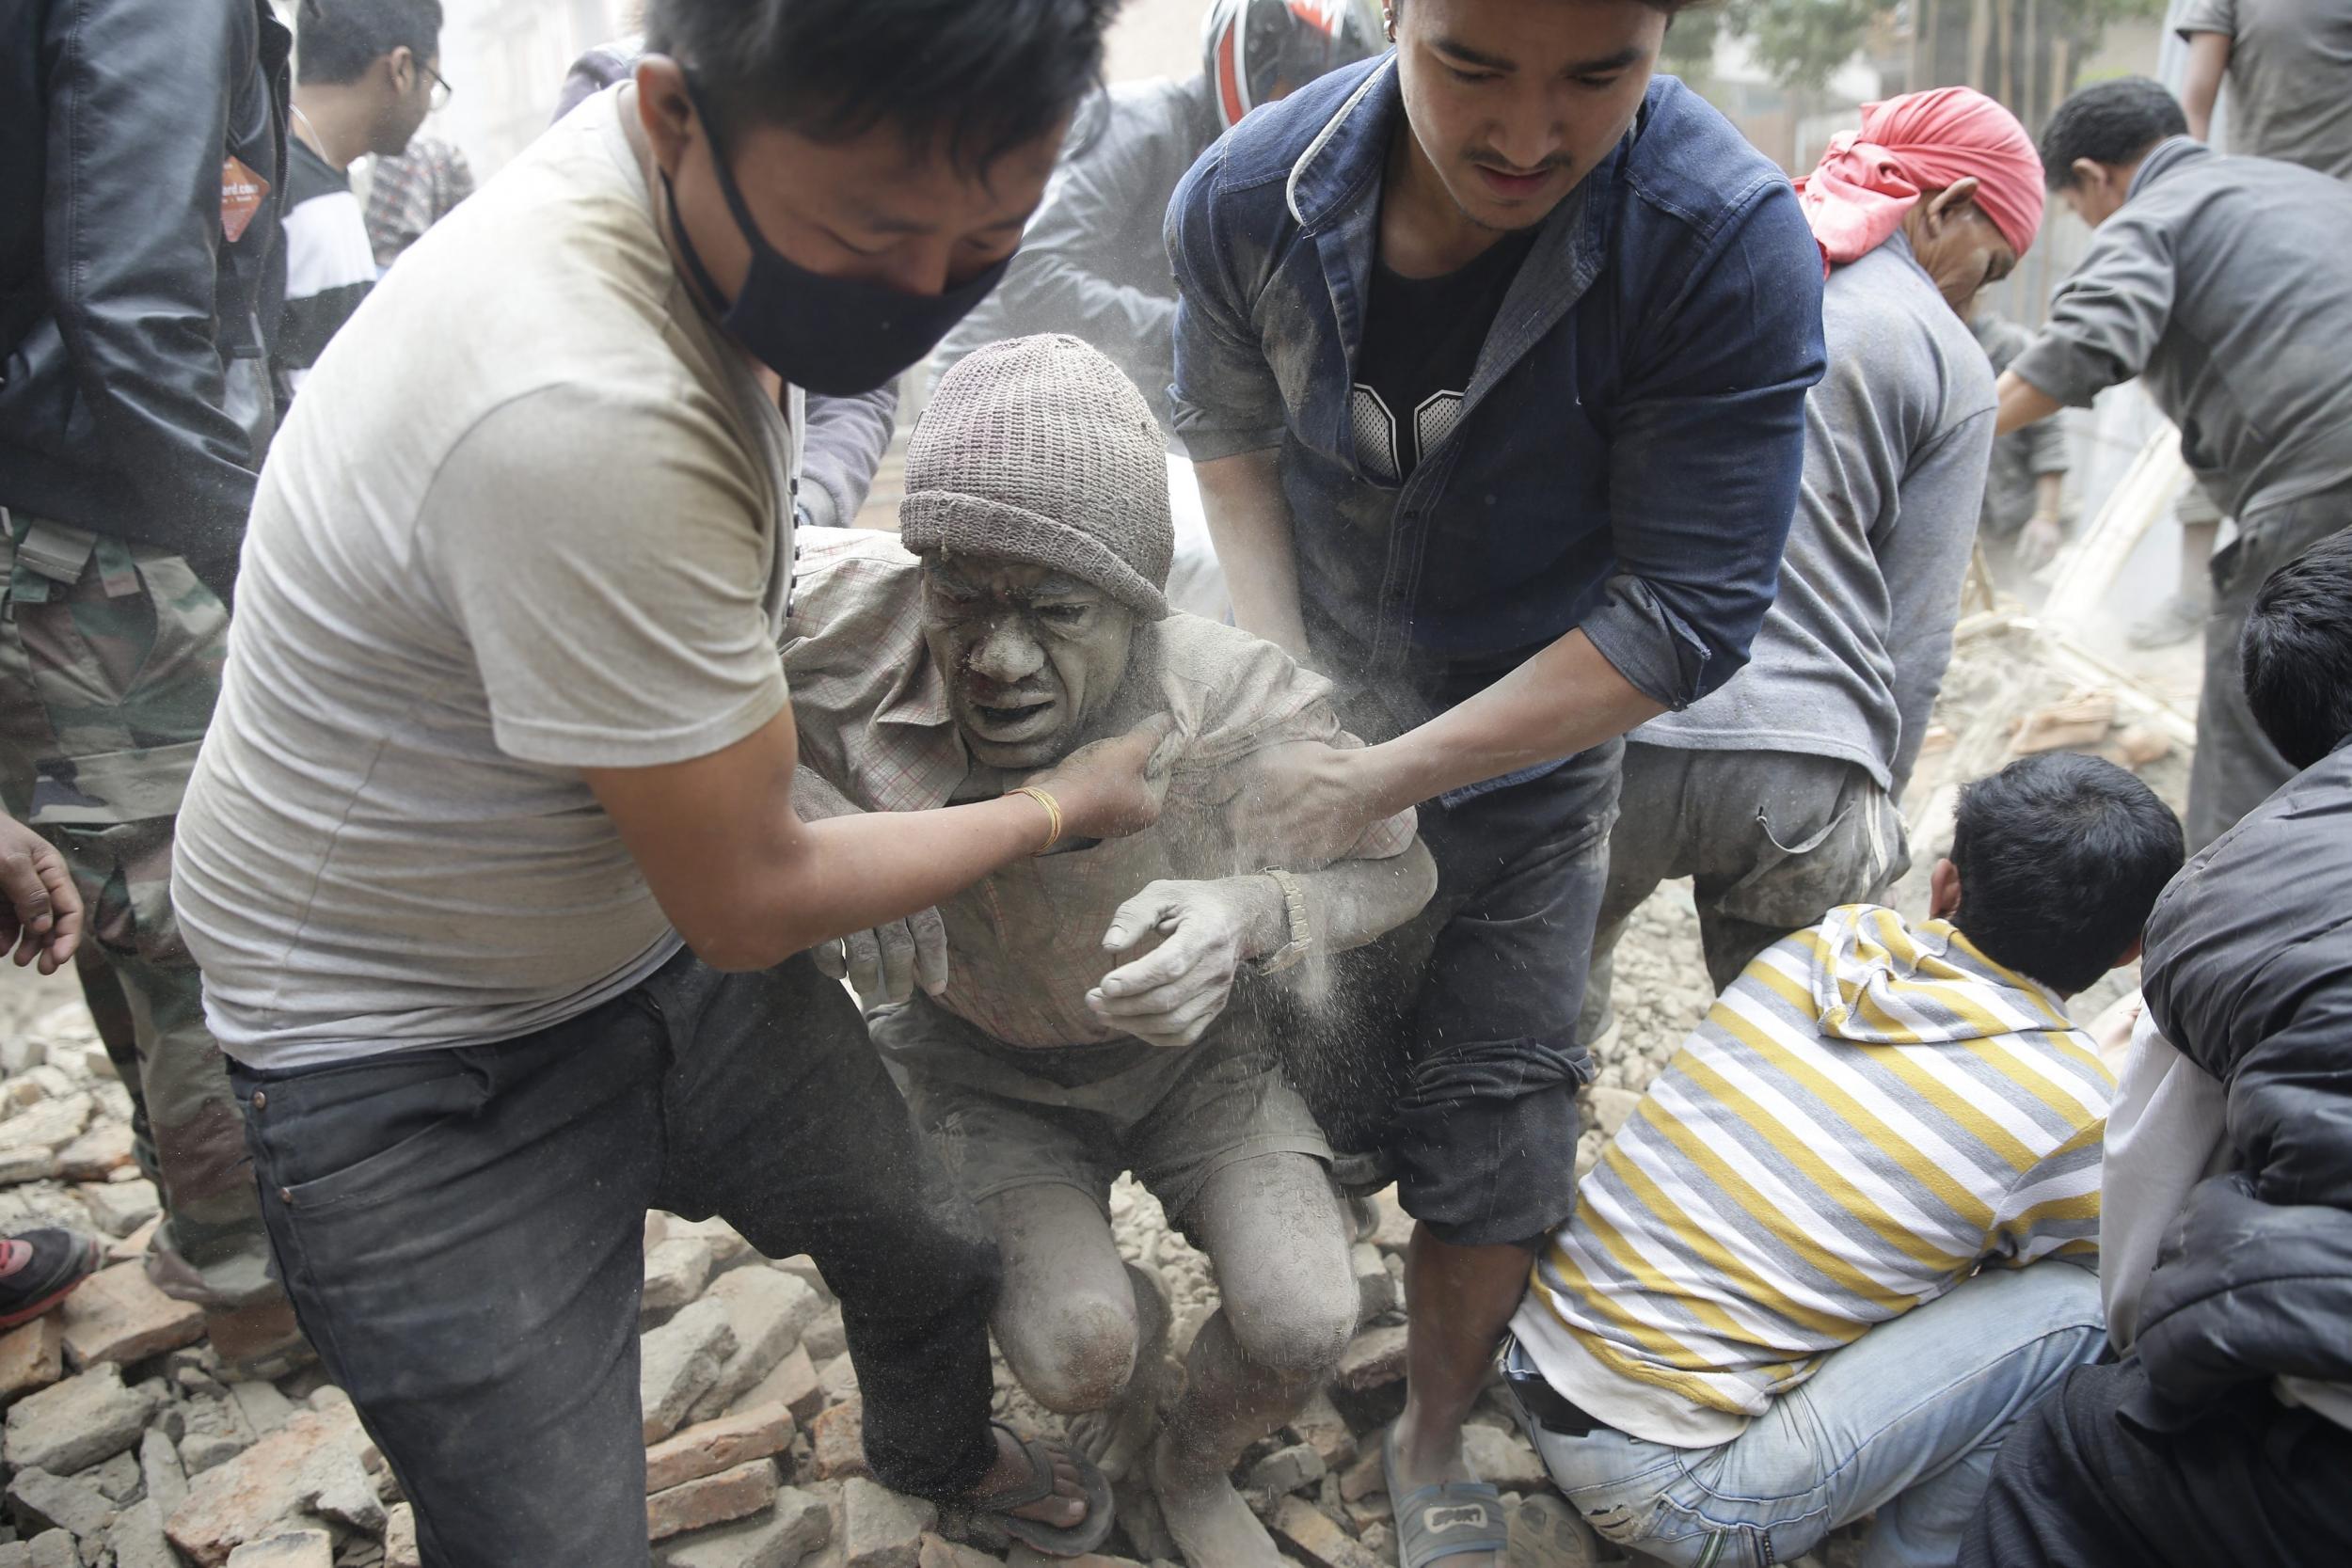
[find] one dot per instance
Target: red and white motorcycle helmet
(1256, 49)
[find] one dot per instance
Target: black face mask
(838, 337)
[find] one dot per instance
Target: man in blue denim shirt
(1574, 524)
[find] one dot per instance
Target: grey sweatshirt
(1093, 263)
(1897, 438)
(2225, 284)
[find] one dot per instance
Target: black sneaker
(40, 1268)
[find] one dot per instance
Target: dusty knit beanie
(1040, 449)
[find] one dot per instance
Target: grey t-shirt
(531, 514)
(2290, 77)
(1896, 439)
(2222, 284)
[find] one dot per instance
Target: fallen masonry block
(1290, 1470)
(1378, 1292)
(32, 1356)
(312, 1463)
(1504, 1457)
(43, 1501)
(881, 1529)
(711, 1500)
(159, 1469)
(137, 1538)
(1323, 1428)
(302, 1549)
(1610, 1107)
(800, 1523)
(53, 1549)
(679, 1362)
(119, 1316)
(1314, 1536)
(1373, 1360)
(825, 1337)
(48, 1126)
(118, 1208)
(794, 1385)
(939, 1552)
(76, 1423)
(97, 1154)
(1365, 1476)
(1029, 1557)
(768, 1310)
(675, 1272)
(715, 1446)
(837, 1443)
(400, 1538)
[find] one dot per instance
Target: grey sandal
(1445, 1519)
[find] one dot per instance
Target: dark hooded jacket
(2250, 973)
(132, 399)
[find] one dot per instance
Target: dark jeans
(461, 1231)
(1451, 1045)
(2235, 767)
(2255, 1483)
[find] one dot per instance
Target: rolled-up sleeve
(1226, 401)
(1707, 450)
(2106, 318)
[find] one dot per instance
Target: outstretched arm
(2200, 83)
(1170, 995)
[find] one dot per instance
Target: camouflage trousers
(110, 662)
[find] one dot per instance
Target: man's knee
(1295, 1317)
(1073, 1354)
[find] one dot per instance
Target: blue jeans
(1905, 1422)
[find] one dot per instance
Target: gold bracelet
(1053, 815)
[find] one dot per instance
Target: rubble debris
(768, 1310)
(303, 1548)
(119, 1315)
(679, 1362)
(881, 1529)
(715, 1446)
(1317, 1537)
(312, 1462)
(2078, 722)
(837, 1442)
(712, 1499)
(675, 1271)
(800, 1523)
(32, 1356)
(1373, 1360)
(400, 1538)
(97, 1154)
(75, 1423)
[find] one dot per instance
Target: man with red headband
(1776, 794)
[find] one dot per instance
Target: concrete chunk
(118, 1315)
(311, 1464)
(97, 1154)
(1317, 1537)
(400, 1538)
(301, 1548)
(137, 1538)
(793, 1385)
(881, 1529)
(1373, 1360)
(800, 1523)
(32, 1356)
(679, 1362)
(43, 1501)
(768, 1310)
(76, 1423)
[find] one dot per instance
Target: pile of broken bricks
(127, 1444)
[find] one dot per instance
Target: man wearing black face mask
(492, 859)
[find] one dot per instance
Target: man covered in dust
(1077, 1024)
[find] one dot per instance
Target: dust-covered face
(1032, 655)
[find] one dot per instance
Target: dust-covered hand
(2037, 541)
(1115, 788)
(1168, 997)
(885, 964)
(40, 910)
(1304, 805)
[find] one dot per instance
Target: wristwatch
(1293, 951)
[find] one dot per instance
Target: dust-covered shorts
(1086, 1114)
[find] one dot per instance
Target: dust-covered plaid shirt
(874, 722)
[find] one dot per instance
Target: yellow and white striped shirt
(1865, 1115)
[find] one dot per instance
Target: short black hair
(2060, 858)
(983, 77)
(2295, 652)
(2109, 122)
(336, 41)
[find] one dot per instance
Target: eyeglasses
(441, 92)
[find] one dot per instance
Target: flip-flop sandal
(1444, 1519)
(1546, 1533)
(1076, 1540)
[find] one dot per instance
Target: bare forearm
(1350, 903)
(2200, 82)
(1251, 525)
(2049, 494)
(2022, 402)
(1565, 700)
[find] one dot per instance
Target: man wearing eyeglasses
(365, 77)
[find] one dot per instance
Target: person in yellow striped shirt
(1833, 1253)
